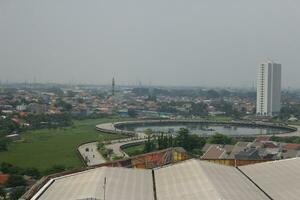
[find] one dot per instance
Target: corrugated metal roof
(279, 179)
(188, 180)
(194, 179)
(122, 183)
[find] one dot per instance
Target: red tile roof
(292, 146)
(262, 138)
(3, 178)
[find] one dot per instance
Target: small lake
(204, 130)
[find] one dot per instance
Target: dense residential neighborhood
(262, 148)
(27, 107)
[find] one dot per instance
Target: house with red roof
(3, 178)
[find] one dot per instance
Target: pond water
(208, 129)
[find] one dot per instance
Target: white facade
(268, 89)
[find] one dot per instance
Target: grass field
(135, 150)
(47, 147)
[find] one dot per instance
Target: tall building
(268, 89)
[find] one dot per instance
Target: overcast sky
(157, 42)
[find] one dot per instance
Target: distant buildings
(268, 89)
(262, 148)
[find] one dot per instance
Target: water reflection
(205, 129)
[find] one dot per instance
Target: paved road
(93, 157)
(91, 154)
(296, 133)
(116, 147)
(109, 127)
(106, 126)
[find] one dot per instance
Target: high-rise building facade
(268, 101)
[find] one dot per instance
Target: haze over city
(149, 100)
(192, 43)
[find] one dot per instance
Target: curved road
(90, 154)
(295, 133)
(93, 157)
(116, 147)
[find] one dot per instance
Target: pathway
(90, 154)
(116, 147)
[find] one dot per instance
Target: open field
(47, 147)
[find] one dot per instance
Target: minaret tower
(113, 87)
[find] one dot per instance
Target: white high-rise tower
(268, 101)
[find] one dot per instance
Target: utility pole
(104, 188)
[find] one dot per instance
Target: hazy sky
(158, 42)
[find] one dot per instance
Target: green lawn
(135, 150)
(47, 147)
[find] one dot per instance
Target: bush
(17, 193)
(32, 172)
(220, 139)
(55, 169)
(15, 180)
(2, 192)
(3, 145)
(9, 168)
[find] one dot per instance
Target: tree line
(190, 142)
(16, 182)
(9, 126)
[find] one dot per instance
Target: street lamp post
(104, 188)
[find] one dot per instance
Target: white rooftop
(188, 180)
(194, 179)
(279, 179)
(122, 183)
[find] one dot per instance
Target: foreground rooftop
(189, 180)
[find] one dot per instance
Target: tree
(152, 98)
(163, 141)
(32, 172)
(285, 112)
(167, 108)
(66, 106)
(17, 193)
(224, 93)
(55, 169)
(212, 94)
(2, 193)
(199, 109)
(3, 145)
(182, 138)
(196, 142)
(15, 180)
(149, 145)
(9, 168)
(49, 121)
(189, 141)
(132, 113)
(8, 126)
(220, 139)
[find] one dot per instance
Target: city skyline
(149, 100)
(157, 43)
